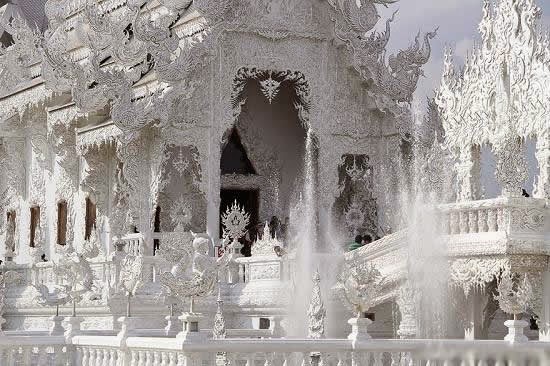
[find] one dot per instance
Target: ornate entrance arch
(271, 178)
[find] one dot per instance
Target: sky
(457, 21)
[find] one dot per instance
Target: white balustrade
(33, 350)
(134, 244)
(504, 214)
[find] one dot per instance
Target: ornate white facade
(128, 126)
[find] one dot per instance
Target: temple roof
(32, 11)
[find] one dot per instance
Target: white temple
(214, 159)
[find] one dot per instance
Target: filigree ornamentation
(218, 330)
(316, 312)
(180, 163)
(358, 286)
(193, 272)
(511, 167)
(235, 220)
(514, 294)
(270, 88)
(499, 96)
(266, 244)
(475, 273)
(181, 214)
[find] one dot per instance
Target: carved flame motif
(270, 88)
(235, 220)
(181, 164)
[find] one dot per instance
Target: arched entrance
(262, 156)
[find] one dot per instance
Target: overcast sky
(457, 21)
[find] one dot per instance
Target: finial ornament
(316, 312)
(234, 221)
(218, 331)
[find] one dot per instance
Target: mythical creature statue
(513, 294)
(74, 274)
(194, 272)
(358, 286)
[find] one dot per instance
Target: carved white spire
(316, 312)
(218, 331)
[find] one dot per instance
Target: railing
(134, 244)
(504, 214)
(33, 350)
(141, 351)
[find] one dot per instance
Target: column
(542, 188)
(468, 170)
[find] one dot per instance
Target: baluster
(499, 362)
(378, 356)
(141, 358)
(94, 354)
(406, 359)
(104, 357)
(27, 356)
(492, 220)
(394, 359)
(286, 359)
(42, 356)
(85, 356)
(454, 223)
(151, 357)
(481, 362)
(134, 358)
(482, 226)
(172, 359)
(500, 220)
(463, 222)
(181, 359)
(112, 357)
(472, 221)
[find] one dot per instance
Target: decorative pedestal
(191, 327)
(57, 327)
(173, 326)
(359, 329)
(515, 331)
(73, 326)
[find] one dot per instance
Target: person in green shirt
(358, 243)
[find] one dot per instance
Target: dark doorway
(234, 159)
(250, 200)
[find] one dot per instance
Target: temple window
(35, 221)
(62, 223)
(90, 218)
